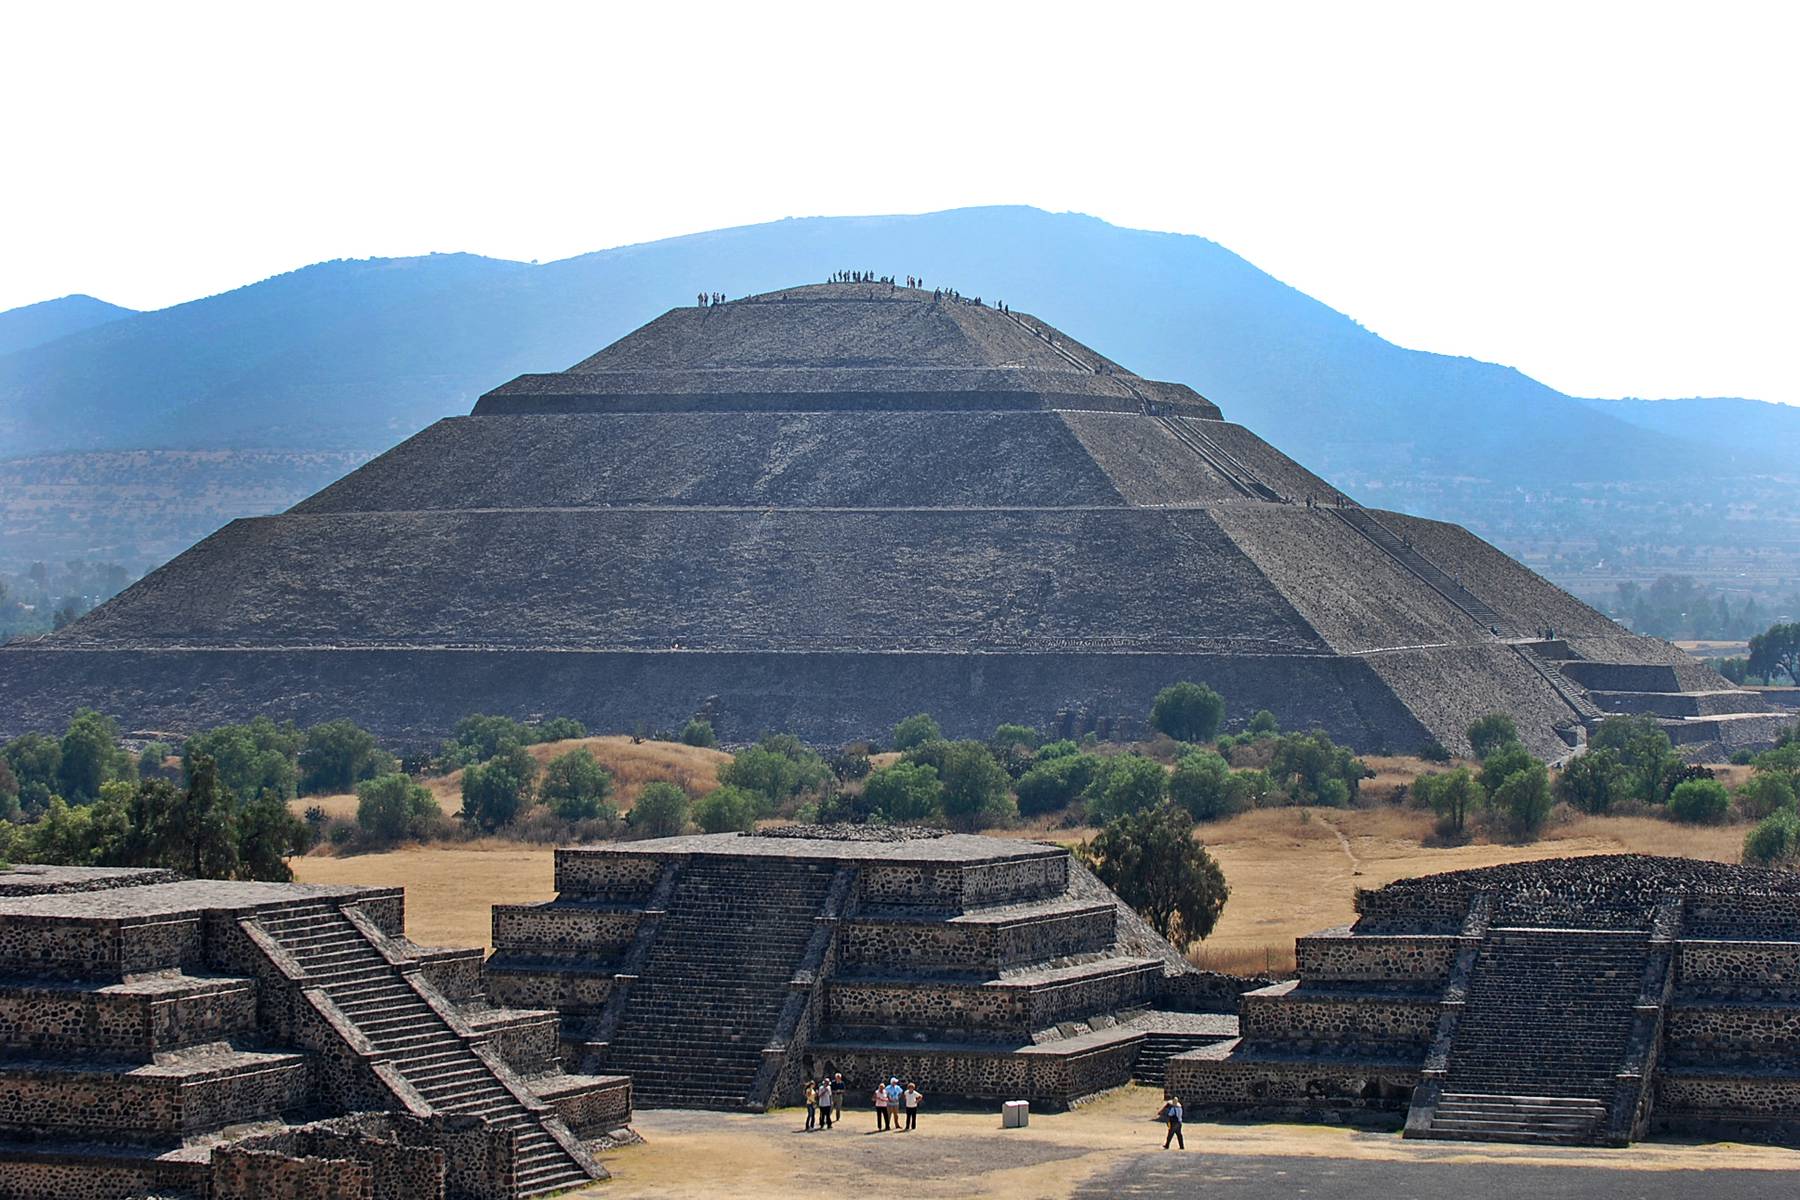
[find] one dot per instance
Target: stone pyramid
(826, 508)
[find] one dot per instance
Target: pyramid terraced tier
(824, 509)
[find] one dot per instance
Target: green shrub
(1699, 802)
(1644, 752)
(777, 769)
(1775, 841)
(479, 737)
(976, 793)
(1306, 763)
(726, 809)
(1454, 796)
(1434, 751)
(1251, 789)
(1151, 860)
(1053, 784)
(576, 787)
(699, 733)
(556, 729)
(1490, 733)
(1502, 763)
(338, 755)
(905, 792)
(258, 757)
(1264, 722)
(1201, 784)
(392, 807)
(661, 811)
(1123, 785)
(1058, 749)
(1593, 782)
(1523, 799)
(1761, 795)
(1006, 736)
(915, 730)
(1188, 712)
(495, 792)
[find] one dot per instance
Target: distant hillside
(350, 357)
(35, 324)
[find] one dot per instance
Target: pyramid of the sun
(824, 509)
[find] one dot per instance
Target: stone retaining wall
(600, 875)
(139, 1106)
(78, 948)
(536, 928)
(138, 1023)
(567, 987)
(984, 1009)
(1302, 1021)
(956, 887)
(1745, 968)
(1309, 1090)
(57, 1175)
(1731, 1033)
(1775, 917)
(1049, 1081)
(1419, 959)
(979, 947)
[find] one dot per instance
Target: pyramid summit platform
(821, 510)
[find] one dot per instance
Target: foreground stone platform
(1582, 1001)
(221, 1039)
(722, 971)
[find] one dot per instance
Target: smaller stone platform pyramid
(173, 1037)
(722, 971)
(1573, 1001)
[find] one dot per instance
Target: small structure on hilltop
(179, 1037)
(823, 509)
(723, 970)
(1577, 1000)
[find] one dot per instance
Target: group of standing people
(827, 1097)
(710, 299)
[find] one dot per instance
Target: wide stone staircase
(408, 1032)
(1371, 527)
(696, 1022)
(1543, 1035)
(1155, 1051)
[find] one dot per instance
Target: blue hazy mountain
(35, 324)
(355, 355)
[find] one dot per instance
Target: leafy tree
(1188, 712)
(661, 810)
(1699, 802)
(1452, 795)
(1152, 861)
(976, 793)
(151, 759)
(392, 807)
(1783, 762)
(1776, 649)
(338, 755)
(1201, 784)
(905, 792)
(250, 759)
(725, 809)
(1492, 732)
(1524, 799)
(1501, 763)
(1644, 752)
(556, 729)
(915, 730)
(1053, 783)
(36, 762)
(1775, 841)
(198, 834)
(90, 756)
(495, 792)
(1007, 736)
(1763, 794)
(267, 833)
(699, 733)
(851, 762)
(1250, 789)
(1264, 722)
(575, 786)
(1593, 782)
(776, 769)
(479, 737)
(1057, 749)
(1125, 784)
(9, 793)
(1307, 764)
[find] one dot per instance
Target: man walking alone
(1171, 1112)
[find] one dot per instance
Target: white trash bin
(1015, 1114)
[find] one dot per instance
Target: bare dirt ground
(1095, 1151)
(1292, 871)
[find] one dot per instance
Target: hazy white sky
(1601, 195)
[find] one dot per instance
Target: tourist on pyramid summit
(812, 1104)
(881, 1107)
(909, 1100)
(1171, 1112)
(825, 1102)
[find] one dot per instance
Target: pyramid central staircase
(708, 1019)
(416, 1038)
(1549, 1045)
